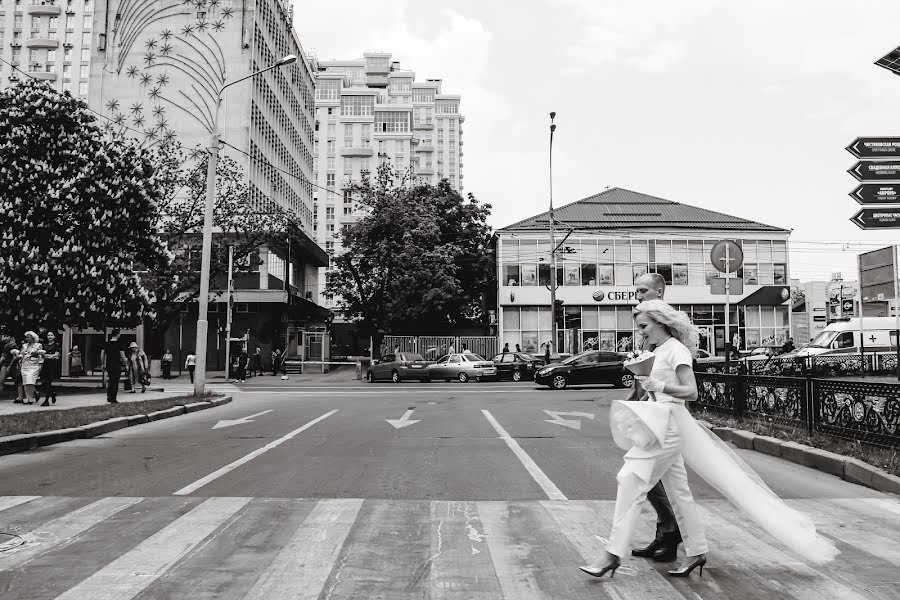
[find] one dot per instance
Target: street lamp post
(553, 325)
(202, 323)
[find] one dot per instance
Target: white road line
(61, 531)
(542, 480)
(245, 459)
(10, 501)
(128, 575)
(301, 568)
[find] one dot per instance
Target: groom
(664, 548)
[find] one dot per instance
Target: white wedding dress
(640, 429)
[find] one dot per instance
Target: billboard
(877, 277)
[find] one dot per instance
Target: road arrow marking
(403, 421)
(230, 422)
(570, 423)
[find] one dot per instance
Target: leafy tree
(418, 259)
(236, 223)
(78, 211)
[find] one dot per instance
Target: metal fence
(855, 410)
(822, 366)
(434, 346)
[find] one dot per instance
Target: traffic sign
(877, 218)
(735, 256)
(877, 193)
(878, 147)
(876, 170)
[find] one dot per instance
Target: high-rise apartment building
(370, 111)
(49, 40)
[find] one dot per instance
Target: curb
(848, 469)
(29, 441)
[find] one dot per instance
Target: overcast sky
(739, 107)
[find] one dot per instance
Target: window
(16, 54)
(88, 22)
(364, 165)
(17, 21)
(329, 213)
(331, 144)
(35, 24)
(331, 131)
(392, 122)
(423, 95)
(358, 106)
(67, 72)
(328, 89)
(329, 247)
(329, 180)
(348, 135)
(85, 54)
(86, 38)
(70, 21)
(51, 55)
(85, 71)
(53, 22)
(33, 55)
(330, 163)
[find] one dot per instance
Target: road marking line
(245, 459)
(11, 501)
(301, 569)
(542, 480)
(135, 570)
(62, 530)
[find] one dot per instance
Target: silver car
(463, 366)
(399, 366)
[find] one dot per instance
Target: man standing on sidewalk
(664, 547)
(6, 359)
(114, 361)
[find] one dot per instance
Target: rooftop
(618, 208)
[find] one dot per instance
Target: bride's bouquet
(640, 363)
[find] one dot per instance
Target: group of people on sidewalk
(660, 436)
(33, 367)
(130, 360)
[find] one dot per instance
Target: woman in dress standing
(75, 365)
(138, 368)
(661, 436)
(32, 358)
(50, 368)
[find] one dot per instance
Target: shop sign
(616, 296)
(877, 147)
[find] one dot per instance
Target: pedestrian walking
(256, 366)
(167, 364)
(546, 353)
(114, 362)
(6, 358)
(505, 347)
(190, 364)
(76, 363)
(50, 368)
(243, 361)
(276, 356)
(518, 348)
(32, 359)
(397, 349)
(660, 437)
(138, 368)
(15, 370)
(451, 350)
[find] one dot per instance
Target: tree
(236, 222)
(419, 258)
(78, 210)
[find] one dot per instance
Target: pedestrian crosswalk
(272, 548)
(189, 546)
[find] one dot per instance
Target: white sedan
(462, 366)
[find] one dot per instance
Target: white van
(843, 337)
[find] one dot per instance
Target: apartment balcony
(377, 81)
(425, 148)
(43, 9)
(424, 172)
(43, 75)
(42, 42)
(423, 126)
(357, 151)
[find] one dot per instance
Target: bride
(660, 436)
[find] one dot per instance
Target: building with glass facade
(610, 239)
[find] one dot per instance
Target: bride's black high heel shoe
(611, 567)
(686, 569)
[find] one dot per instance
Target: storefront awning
(768, 295)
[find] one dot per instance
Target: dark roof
(618, 208)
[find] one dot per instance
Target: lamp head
(289, 59)
(552, 115)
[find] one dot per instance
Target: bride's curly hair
(677, 323)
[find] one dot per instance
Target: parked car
(704, 361)
(399, 366)
(594, 366)
(462, 366)
(516, 365)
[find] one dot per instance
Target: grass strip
(51, 420)
(887, 459)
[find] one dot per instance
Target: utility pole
(554, 334)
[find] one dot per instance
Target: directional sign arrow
(876, 170)
(230, 422)
(877, 193)
(875, 147)
(877, 218)
(570, 423)
(403, 421)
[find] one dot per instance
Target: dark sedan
(516, 365)
(594, 366)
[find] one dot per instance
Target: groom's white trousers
(638, 476)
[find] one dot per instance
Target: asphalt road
(483, 490)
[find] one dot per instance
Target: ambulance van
(843, 337)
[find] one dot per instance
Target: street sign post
(877, 218)
(876, 170)
(727, 257)
(877, 193)
(875, 147)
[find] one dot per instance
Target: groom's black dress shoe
(667, 551)
(649, 551)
